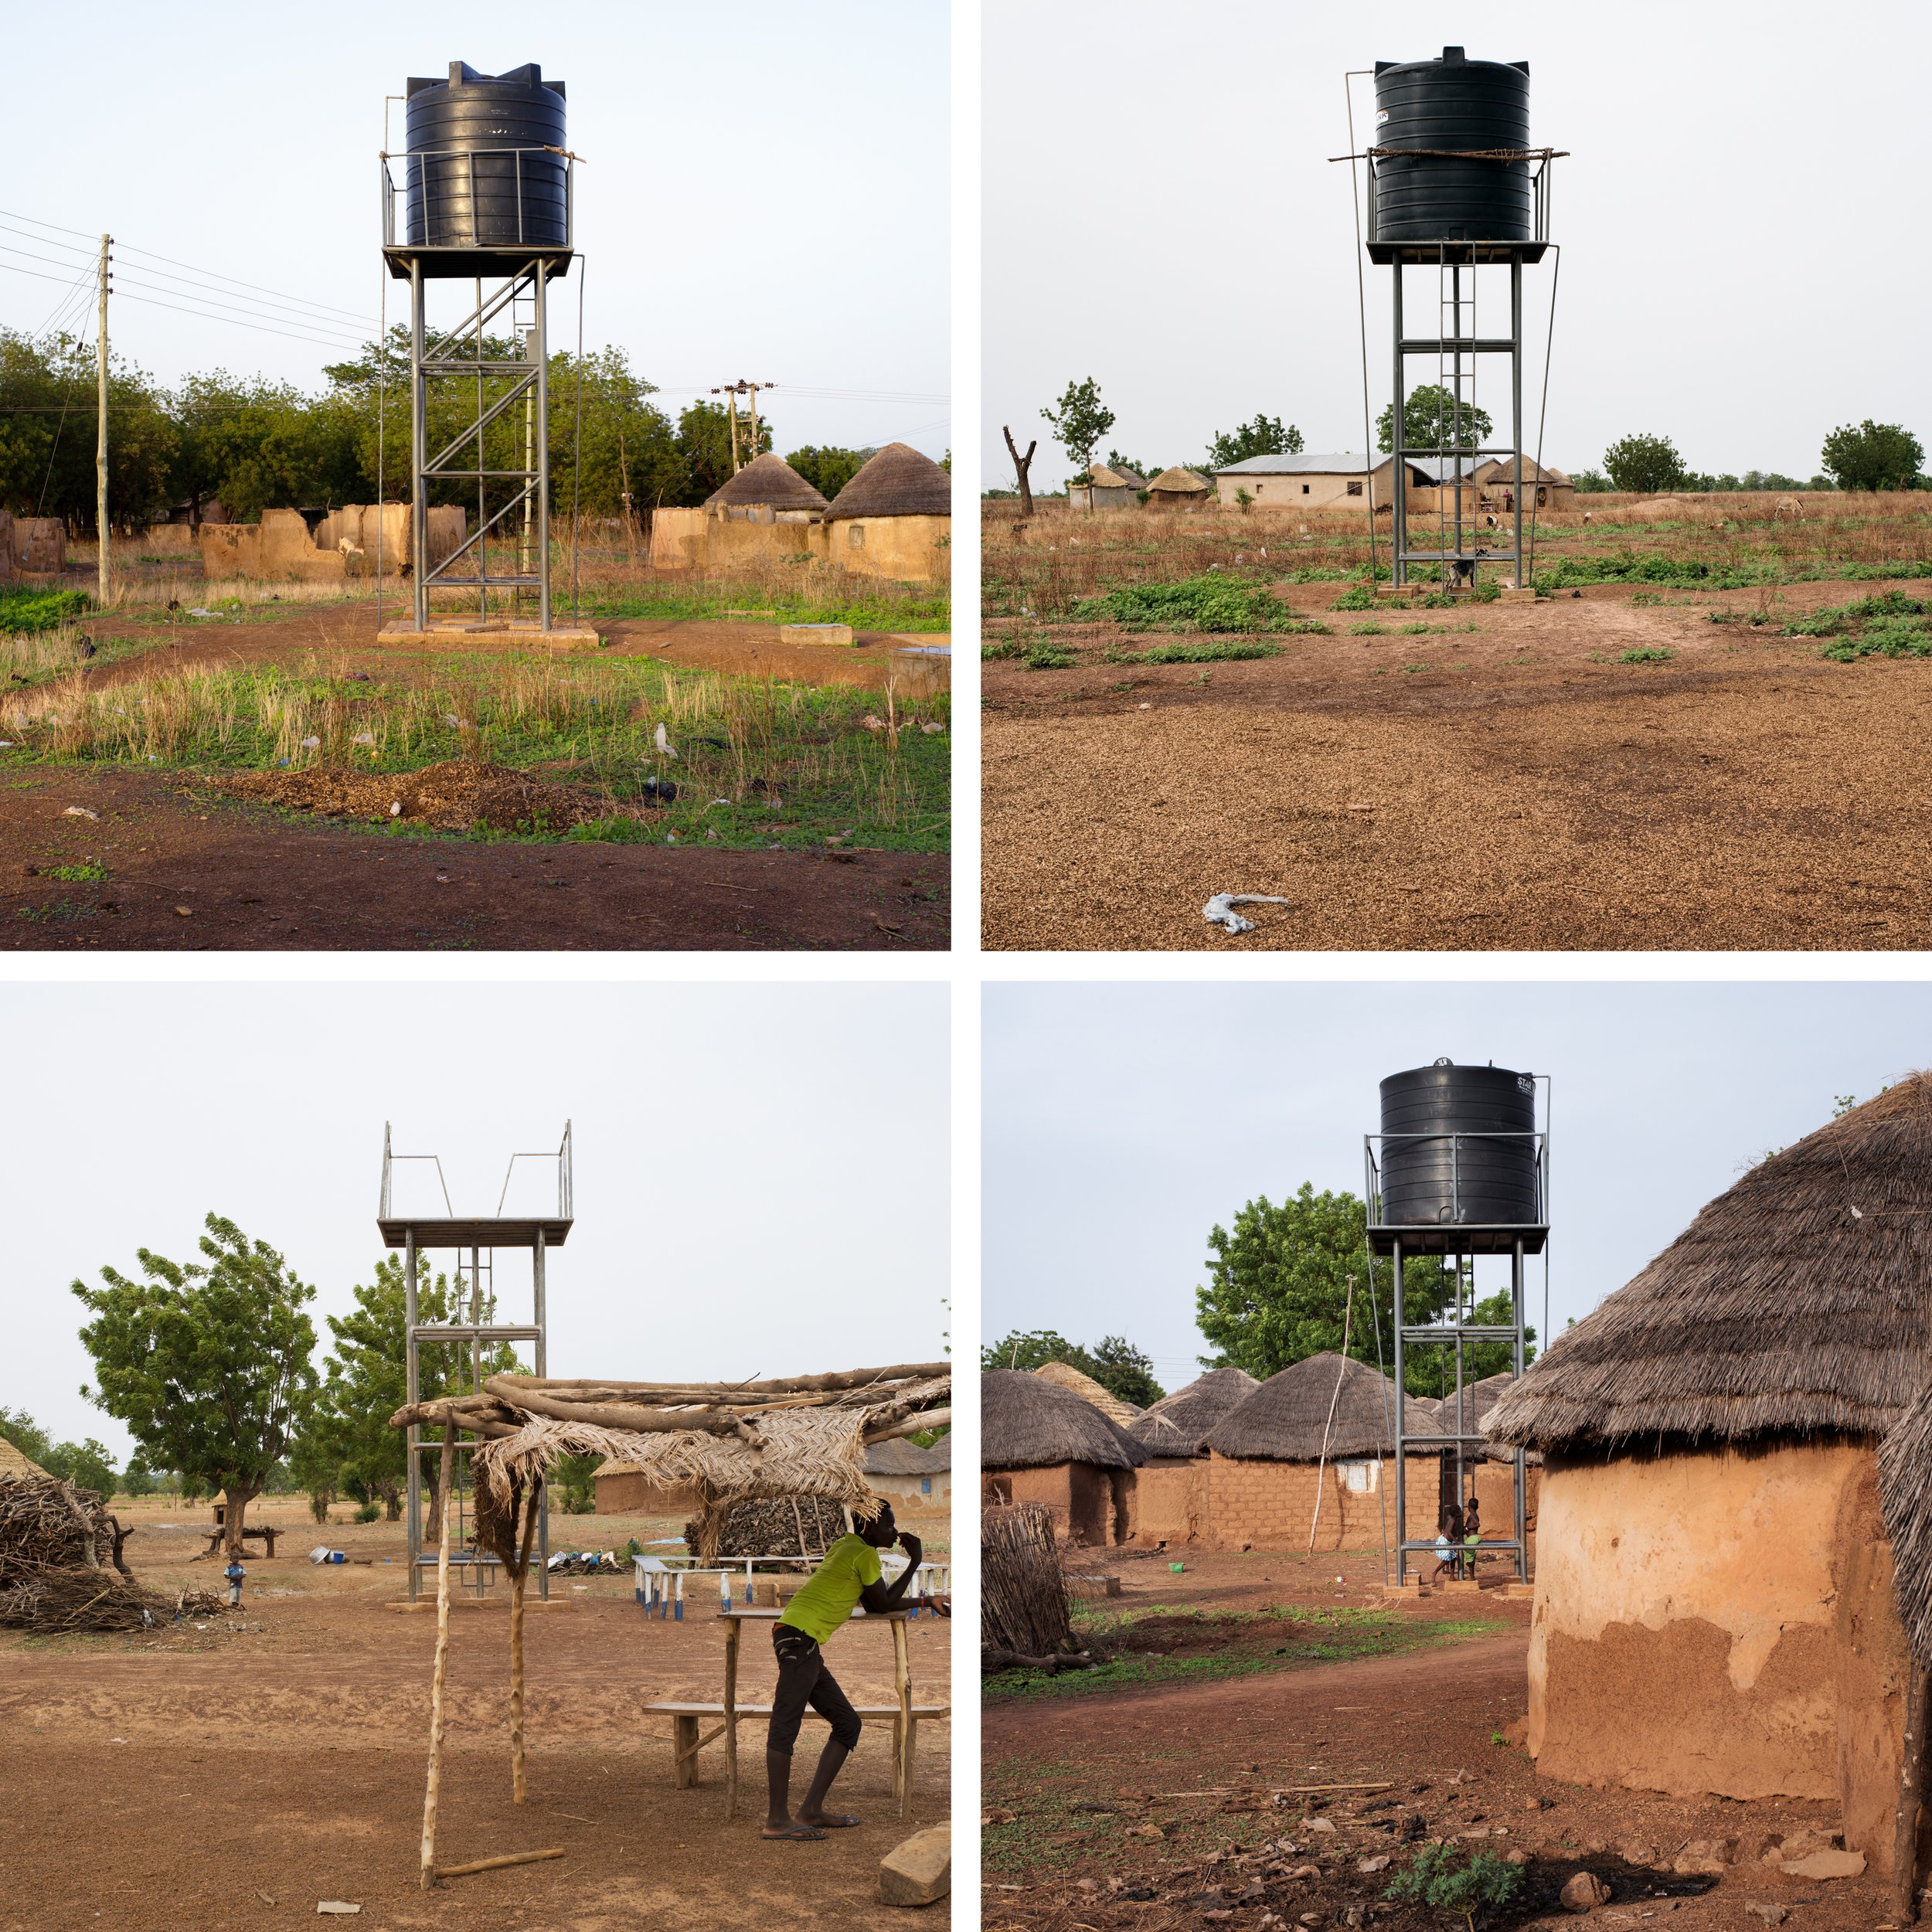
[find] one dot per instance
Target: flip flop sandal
(836, 1821)
(793, 1832)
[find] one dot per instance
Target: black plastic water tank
(1456, 105)
(468, 186)
(1441, 1180)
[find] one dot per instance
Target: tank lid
(461, 73)
(1453, 57)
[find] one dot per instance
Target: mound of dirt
(449, 796)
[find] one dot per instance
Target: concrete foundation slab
(564, 637)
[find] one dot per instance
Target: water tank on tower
(486, 165)
(1459, 1148)
(1454, 114)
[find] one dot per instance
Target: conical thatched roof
(767, 479)
(1905, 1496)
(1026, 1422)
(1284, 1420)
(1110, 1405)
(1797, 1302)
(13, 1463)
(899, 1458)
(1180, 479)
(1178, 1425)
(898, 481)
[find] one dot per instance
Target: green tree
(1115, 1362)
(206, 1364)
(1428, 421)
(1079, 421)
(138, 1479)
(703, 443)
(26, 1435)
(1645, 464)
(1125, 1371)
(1873, 456)
(1266, 436)
(827, 467)
(88, 1464)
(1116, 462)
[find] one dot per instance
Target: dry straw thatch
(1028, 1423)
(1178, 1424)
(1905, 1496)
(1796, 1304)
(898, 481)
(1178, 482)
(1064, 1376)
(1287, 1419)
(766, 480)
(14, 1463)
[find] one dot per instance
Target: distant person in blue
(234, 1573)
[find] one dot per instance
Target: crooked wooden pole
(427, 1876)
(518, 1789)
(1905, 1857)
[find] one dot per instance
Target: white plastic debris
(365, 738)
(198, 612)
(664, 746)
(81, 811)
(311, 744)
(1219, 911)
(395, 808)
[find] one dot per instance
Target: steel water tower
(485, 200)
(1455, 186)
(1460, 1171)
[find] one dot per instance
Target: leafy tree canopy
(206, 1363)
(1278, 1286)
(1428, 422)
(1120, 1368)
(1873, 456)
(1079, 421)
(1645, 464)
(1266, 436)
(88, 1464)
(828, 468)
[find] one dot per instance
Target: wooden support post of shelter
(427, 1877)
(1918, 1707)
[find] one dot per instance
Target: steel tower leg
(1515, 444)
(542, 286)
(1522, 1513)
(1398, 518)
(418, 460)
(1402, 1461)
(414, 1386)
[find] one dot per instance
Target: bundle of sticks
(1024, 1618)
(897, 1402)
(61, 1568)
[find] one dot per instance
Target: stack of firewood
(61, 1567)
(1025, 1617)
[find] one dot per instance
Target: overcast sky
(1122, 1122)
(761, 1171)
(764, 195)
(1737, 217)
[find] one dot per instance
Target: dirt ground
(235, 1776)
(1516, 786)
(1420, 1733)
(193, 870)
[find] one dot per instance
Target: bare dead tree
(1020, 465)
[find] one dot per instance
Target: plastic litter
(81, 811)
(311, 744)
(664, 745)
(1219, 911)
(321, 1553)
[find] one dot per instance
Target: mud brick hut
(1324, 1427)
(767, 490)
(1065, 1376)
(1040, 1443)
(1715, 1605)
(1179, 489)
(894, 518)
(1168, 1500)
(912, 1478)
(623, 1489)
(1105, 486)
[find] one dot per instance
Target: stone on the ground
(918, 1870)
(1826, 1865)
(1771, 1914)
(1635, 1852)
(1703, 1857)
(1583, 1892)
(1802, 1843)
(1379, 1863)
(1516, 1731)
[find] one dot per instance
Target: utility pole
(731, 392)
(100, 435)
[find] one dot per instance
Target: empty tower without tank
(1455, 184)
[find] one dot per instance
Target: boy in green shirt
(850, 1576)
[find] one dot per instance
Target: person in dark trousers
(1472, 1530)
(1448, 1540)
(850, 1576)
(234, 1573)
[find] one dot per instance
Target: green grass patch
(1647, 654)
(1361, 597)
(1888, 625)
(867, 606)
(90, 870)
(1368, 630)
(1211, 602)
(24, 610)
(1633, 567)
(758, 763)
(1049, 657)
(1224, 651)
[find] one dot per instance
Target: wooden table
(904, 1721)
(265, 1534)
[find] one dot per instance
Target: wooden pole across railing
(427, 1876)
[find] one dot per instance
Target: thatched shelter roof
(1905, 1496)
(899, 481)
(1178, 1425)
(1027, 1422)
(1796, 1303)
(14, 1463)
(1285, 1419)
(1179, 480)
(1105, 476)
(899, 1458)
(1110, 1405)
(767, 479)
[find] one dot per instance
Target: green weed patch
(24, 611)
(1222, 651)
(1207, 603)
(1888, 625)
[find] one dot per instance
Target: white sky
(1122, 1122)
(1739, 216)
(761, 1171)
(765, 195)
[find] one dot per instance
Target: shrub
(368, 1512)
(1645, 464)
(1360, 596)
(24, 610)
(1873, 456)
(1432, 1879)
(1049, 657)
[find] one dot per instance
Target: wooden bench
(266, 1535)
(687, 1720)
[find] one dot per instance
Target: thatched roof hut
(1064, 1376)
(899, 481)
(1178, 1425)
(1286, 1418)
(1715, 1604)
(768, 482)
(1028, 1421)
(13, 1463)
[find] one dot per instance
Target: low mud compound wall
(1253, 1504)
(1721, 1621)
(1088, 1505)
